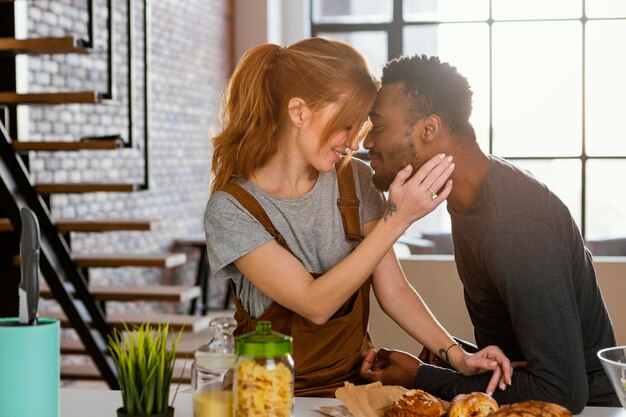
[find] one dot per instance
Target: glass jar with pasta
(263, 383)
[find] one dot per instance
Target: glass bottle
(264, 373)
(212, 371)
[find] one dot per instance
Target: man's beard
(399, 157)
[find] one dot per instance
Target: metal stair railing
(59, 270)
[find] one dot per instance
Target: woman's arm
(399, 300)
(283, 278)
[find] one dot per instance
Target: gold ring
(434, 194)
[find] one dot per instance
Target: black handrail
(59, 270)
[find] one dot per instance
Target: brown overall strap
(252, 205)
(348, 203)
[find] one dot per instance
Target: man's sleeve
(533, 275)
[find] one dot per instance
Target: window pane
(605, 88)
(465, 46)
(605, 8)
(536, 9)
(371, 44)
(436, 10)
(562, 177)
(606, 204)
(536, 91)
(352, 11)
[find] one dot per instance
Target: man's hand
(391, 367)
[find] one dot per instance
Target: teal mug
(29, 368)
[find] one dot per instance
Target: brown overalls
(325, 355)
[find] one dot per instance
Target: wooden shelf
(85, 188)
(170, 293)
(65, 146)
(39, 46)
(88, 97)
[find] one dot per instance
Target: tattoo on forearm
(389, 210)
(443, 354)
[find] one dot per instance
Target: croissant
(475, 404)
(416, 403)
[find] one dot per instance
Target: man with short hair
(529, 282)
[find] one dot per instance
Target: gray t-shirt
(311, 225)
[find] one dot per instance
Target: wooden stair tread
(102, 225)
(155, 260)
(146, 260)
(47, 45)
(171, 293)
(89, 372)
(23, 146)
(5, 225)
(188, 341)
(85, 187)
(191, 324)
(66, 97)
(199, 241)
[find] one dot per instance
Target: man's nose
(368, 143)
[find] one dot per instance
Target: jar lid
(264, 343)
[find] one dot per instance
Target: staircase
(65, 274)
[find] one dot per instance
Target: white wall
(437, 281)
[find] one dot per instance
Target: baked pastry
(532, 409)
(416, 403)
(475, 404)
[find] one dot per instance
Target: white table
(103, 403)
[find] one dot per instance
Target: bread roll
(532, 409)
(416, 403)
(475, 404)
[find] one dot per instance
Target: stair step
(159, 260)
(66, 145)
(89, 372)
(37, 46)
(10, 97)
(148, 260)
(85, 187)
(190, 324)
(5, 225)
(171, 293)
(188, 342)
(104, 225)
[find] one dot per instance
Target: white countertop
(104, 403)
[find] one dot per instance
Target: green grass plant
(144, 366)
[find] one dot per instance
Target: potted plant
(144, 364)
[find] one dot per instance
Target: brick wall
(190, 62)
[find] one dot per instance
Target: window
(548, 79)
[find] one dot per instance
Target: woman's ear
(296, 109)
(430, 128)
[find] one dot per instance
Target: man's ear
(429, 128)
(296, 108)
